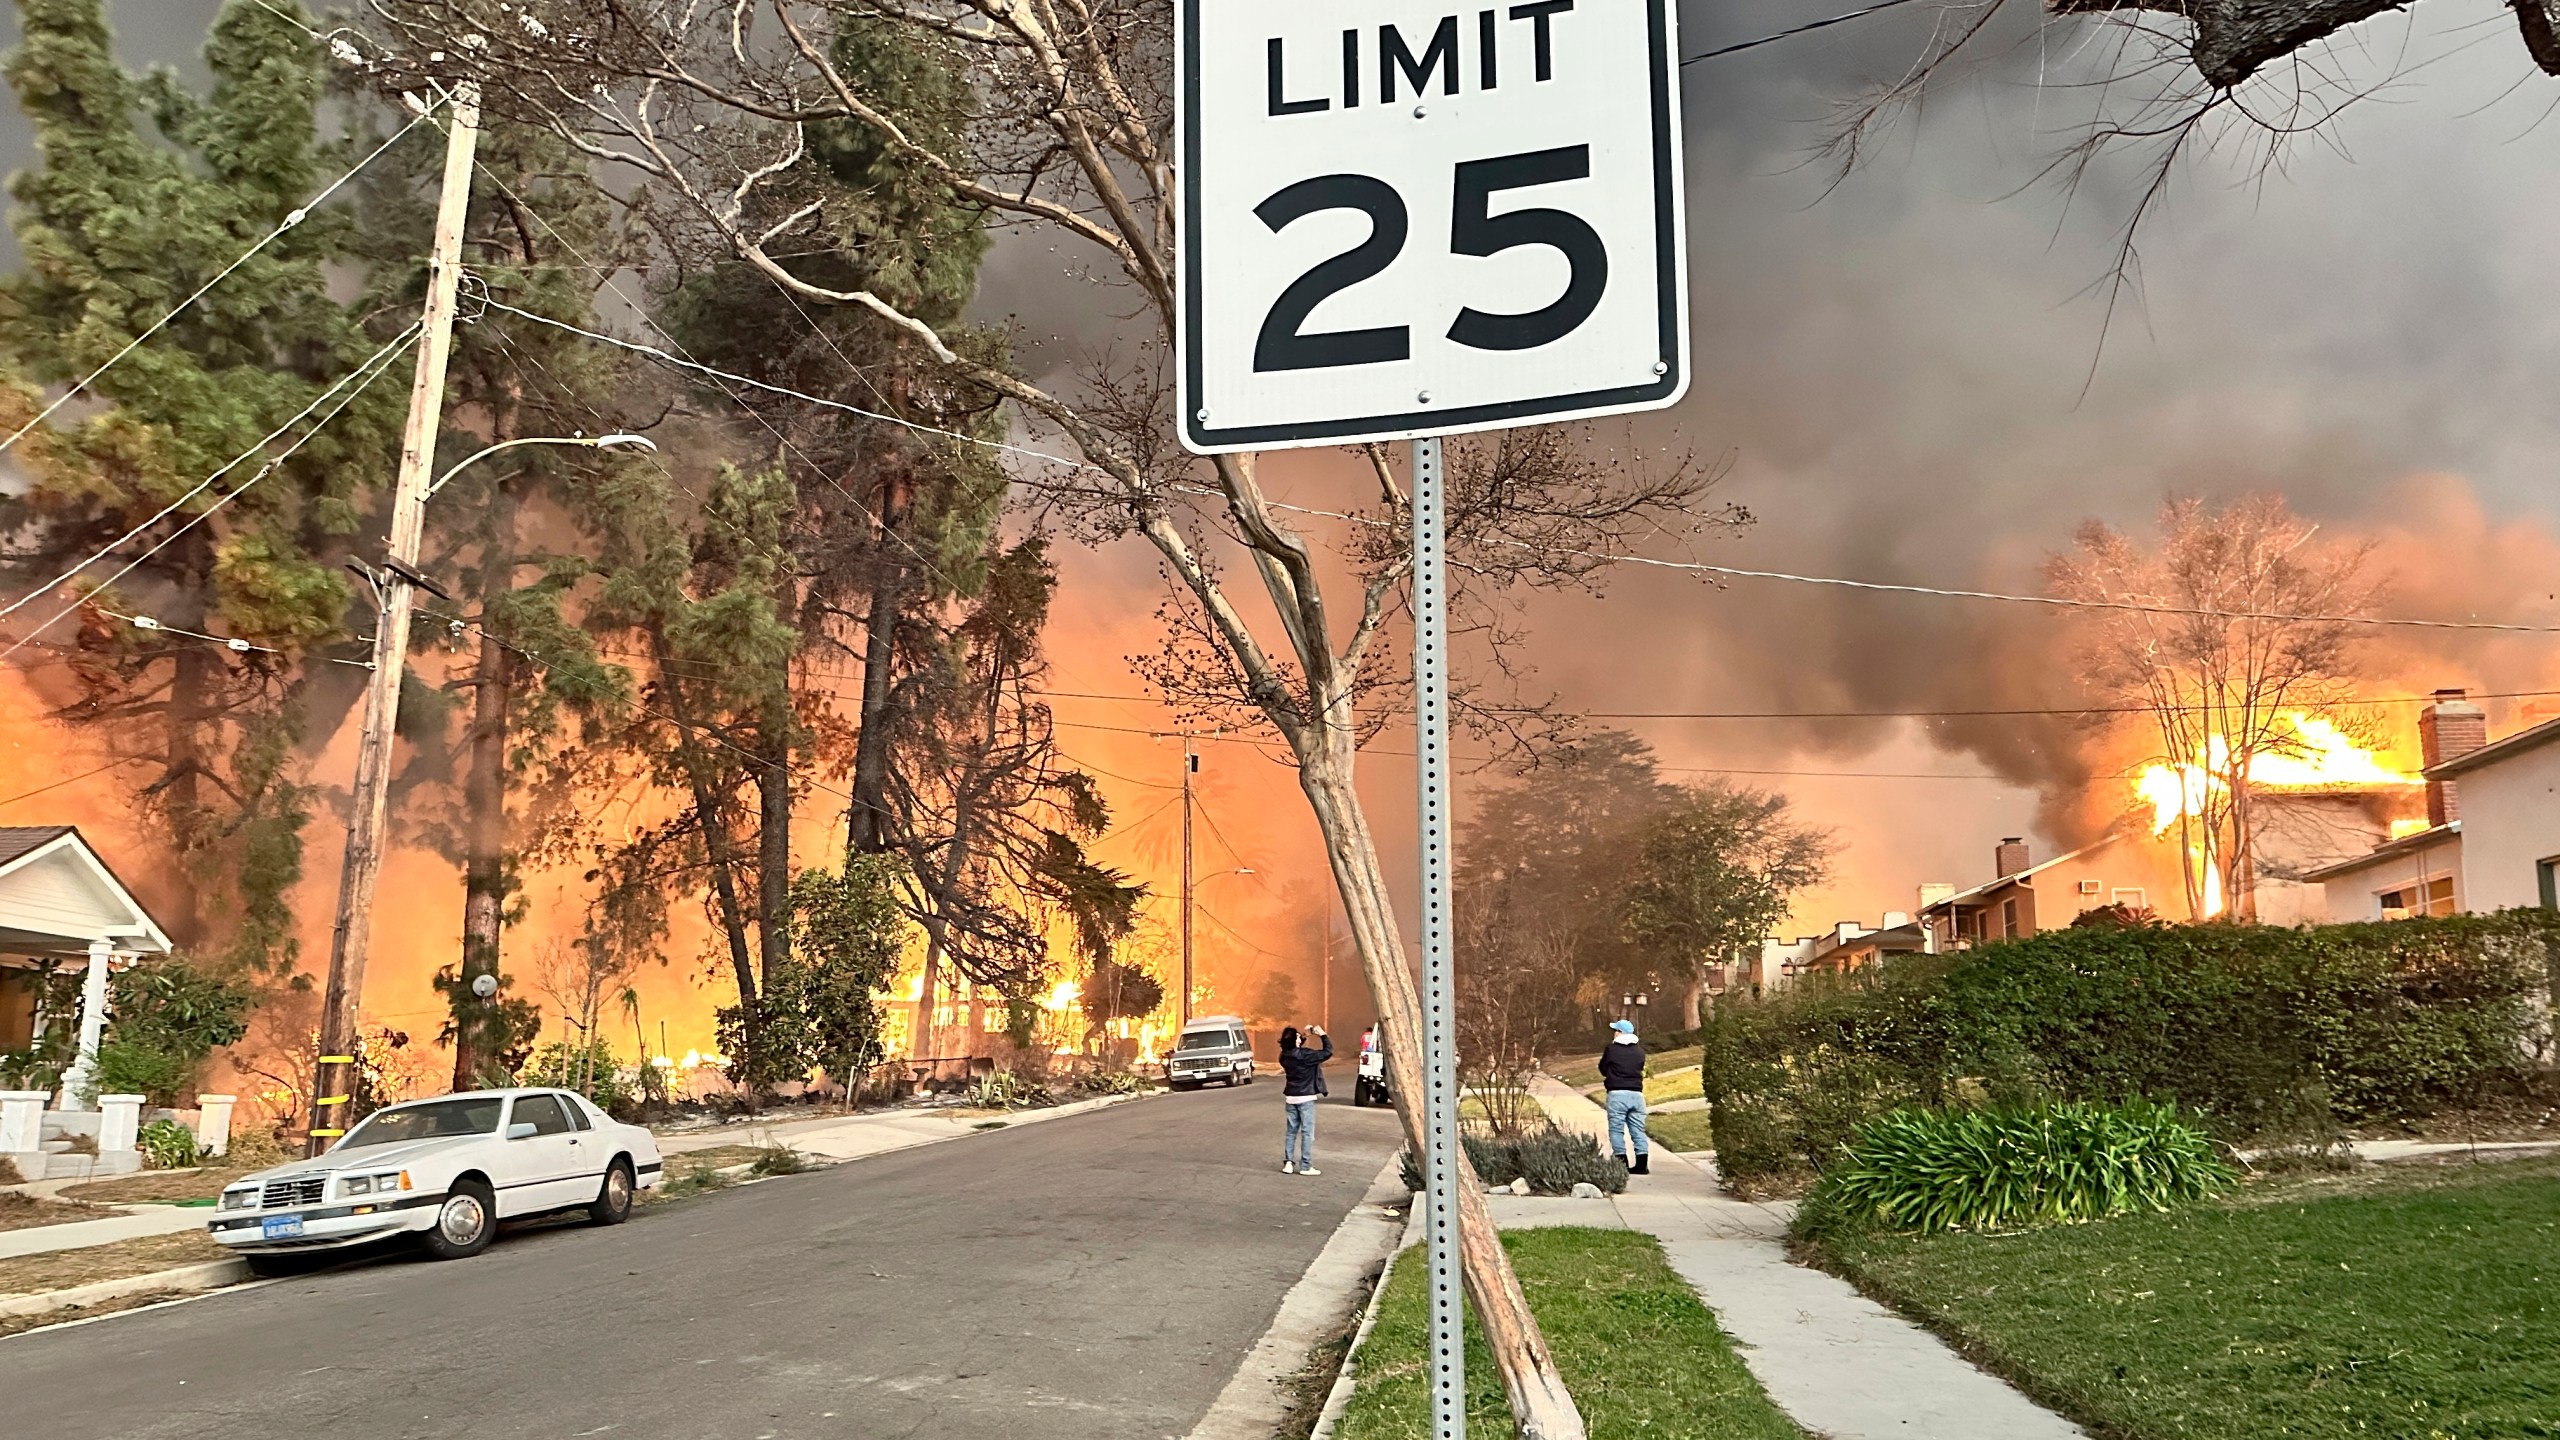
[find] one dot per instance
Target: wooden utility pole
(353, 931)
(1190, 764)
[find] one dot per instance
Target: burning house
(2492, 835)
(2306, 805)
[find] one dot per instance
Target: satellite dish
(484, 985)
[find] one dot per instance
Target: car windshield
(436, 1120)
(1207, 1040)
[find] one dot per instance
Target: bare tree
(717, 108)
(2221, 662)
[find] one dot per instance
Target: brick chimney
(2449, 729)
(2011, 857)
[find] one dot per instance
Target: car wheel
(466, 1221)
(613, 1201)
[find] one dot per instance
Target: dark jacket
(1304, 1069)
(1622, 1066)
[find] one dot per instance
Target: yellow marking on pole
(328, 1132)
(330, 1100)
(337, 1059)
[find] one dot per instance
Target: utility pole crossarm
(352, 933)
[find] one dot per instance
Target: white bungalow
(60, 903)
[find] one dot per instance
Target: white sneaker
(1288, 1167)
(1310, 1170)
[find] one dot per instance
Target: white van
(1212, 1048)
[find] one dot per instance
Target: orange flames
(2313, 753)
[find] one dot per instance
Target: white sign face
(1400, 218)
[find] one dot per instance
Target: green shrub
(2005, 1168)
(1552, 1161)
(166, 1145)
(2274, 1034)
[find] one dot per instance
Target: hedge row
(2269, 1032)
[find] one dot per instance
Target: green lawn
(1584, 1074)
(1640, 1354)
(2421, 1304)
(1685, 1131)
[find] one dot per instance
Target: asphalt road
(1100, 1275)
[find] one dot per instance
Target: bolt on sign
(1404, 219)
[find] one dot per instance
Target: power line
(1727, 571)
(390, 351)
(1810, 25)
(201, 486)
(292, 219)
(67, 780)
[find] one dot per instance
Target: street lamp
(1190, 884)
(615, 441)
(351, 932)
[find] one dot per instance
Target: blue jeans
(1626, 1123)
(1298, 1142)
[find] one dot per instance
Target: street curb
(211, 1275)
(1347, 1380)
(1252, 1404)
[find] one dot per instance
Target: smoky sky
(1905, 371)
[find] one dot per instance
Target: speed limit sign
(1400, 219)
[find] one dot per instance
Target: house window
(2009, 919)
(2433, 897)
(2547, 872)
(2136, 898)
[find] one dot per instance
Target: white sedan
(446, 1170)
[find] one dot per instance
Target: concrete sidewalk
(135, 1224)
(1837, 1362)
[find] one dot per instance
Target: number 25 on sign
(1403, 219)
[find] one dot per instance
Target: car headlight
(240, 1199)
(355, 1184)
(396, 1180)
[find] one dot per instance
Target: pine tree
(118, 225)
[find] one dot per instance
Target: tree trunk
(718, 844)
(1541, 1408)
(773, 860)
(484, 798)
(867, 826)
(196, 677)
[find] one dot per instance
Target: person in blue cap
(1622, 1070)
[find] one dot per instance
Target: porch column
(22, 1121)
(80, 1079)
(213, 1123)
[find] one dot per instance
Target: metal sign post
(1439, 1011)
(1403, 220)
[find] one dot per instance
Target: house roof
(2390, 850)
(2016, 876)
(2532, 737)
(17, 841)
(57, 895)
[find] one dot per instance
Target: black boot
(1638, 1168)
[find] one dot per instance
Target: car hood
(371, 1157)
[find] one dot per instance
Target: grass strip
(1641, 1355)
(62, 1269)
(28, 1212)
(1685, 1131)
(2422, 1303)
(156, 1187)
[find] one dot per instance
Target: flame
(1061, 996)
(2402, 829)
(2317, 755)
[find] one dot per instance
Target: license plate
(280, 1227)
